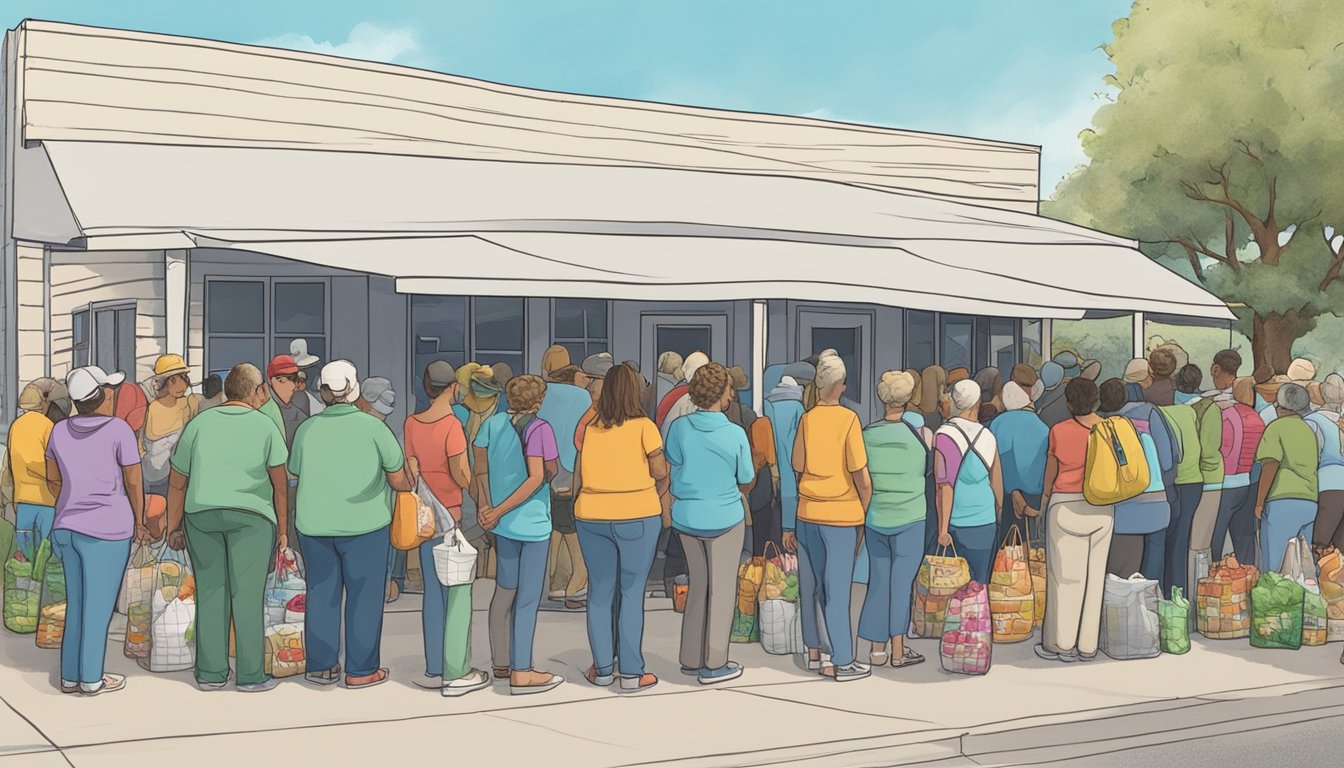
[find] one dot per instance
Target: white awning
(528, 229)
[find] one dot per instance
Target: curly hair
(708, 385)
(525, 392)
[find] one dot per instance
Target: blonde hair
(895, 388)
(669, 362)
(830, 372)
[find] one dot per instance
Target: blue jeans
(1236, 515)
(1184, 502)
(828, 553)
(353, 567)
(33, 518)
(432, 609)
(893, 561)
(522, 567)
(1154, 554)
(1282, 521)
(976, 545)
(93, 571)
(619, 555)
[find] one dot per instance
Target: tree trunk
(1272, 337)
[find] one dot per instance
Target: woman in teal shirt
(711, 469)
(898, 460)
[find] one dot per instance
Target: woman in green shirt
(1289, 455)
(898, 460)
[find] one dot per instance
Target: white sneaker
(475, 681)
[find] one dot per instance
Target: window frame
(78, 347)
(588, 339)
(268, 333)
(92, 310)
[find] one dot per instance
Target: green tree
(1221, 151)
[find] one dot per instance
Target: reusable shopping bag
(51, 611)
(23, 584)
(455, 560)
(1173, 620)
(1223, 600)
(1277, 604)
(172, 621)
(938, 580)
(1116, 469)
(968, 631)
(1129, 622)
(283, 584)
(412, 521)
(1300, 565)
(750, 584)
(137, 587)
(1036, 564)
(284, 650)
(1331, 568)
(1011, 595)
(139, 578)
(778, 618)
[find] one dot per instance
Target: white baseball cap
(341, 378)
(84, 383)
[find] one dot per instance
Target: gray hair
(669, 363)
(1293, 397)
(965, 395)
(830, 372)
(895, 388)
(242, 381)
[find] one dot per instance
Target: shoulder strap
(970, 448)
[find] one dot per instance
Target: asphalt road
(1315, 742)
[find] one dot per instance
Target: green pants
(230, 550)
(457, 633)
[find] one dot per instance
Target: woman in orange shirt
(1078, 535)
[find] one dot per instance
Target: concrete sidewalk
(1024, 711)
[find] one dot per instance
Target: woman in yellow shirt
(833, 494)
(165, 419)
(621, 477)
(34, 506)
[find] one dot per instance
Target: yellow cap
(168, 365)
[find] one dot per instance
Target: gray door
(851, 335)
(682, 334)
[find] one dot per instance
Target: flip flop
(368, 681)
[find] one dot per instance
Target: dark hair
(525, 392)
(708, 385)
(212, 385)
(1189, 379)
(1113, 395)
(1082, 396)
(85, 407)
(990, 380)
(619, 401)
(1162, 363)
(1229, 360)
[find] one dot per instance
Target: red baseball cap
(282, 365)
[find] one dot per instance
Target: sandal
(879, 658)
(550, 682)
(368, 681)
(908, 658)
(500, 673)
(325, 676)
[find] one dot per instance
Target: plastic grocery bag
(1223, 600)
(1277, 604)
(1331, 568)
(1011, 596)
(51, 610)
(1173, 619)
(1129, 622)
(284, 650)
(172, 644)
(455, 560)
(284, 584)
(1036, 564)
(136, 587)
(968, 631)
(780, 626)
(1300, 565)
(443, 519)
(938, 580)
(23, 584)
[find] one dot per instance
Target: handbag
(455, 560)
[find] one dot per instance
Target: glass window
(920, 331)
(438, 332)
(125, 354)
(684, 339)
(234, 306)
(113, 339)
(300, 308)
(105, 339)
(580, 326)
(498, 327)
(1031, 353)
(1002, 344)
(956, 346)
(250, 321)
(846, 342)
(79, 338)
(226, 352)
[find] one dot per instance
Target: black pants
(1236, 515)
(1329, 530)
(765, 526)
(1184, 501)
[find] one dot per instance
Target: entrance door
(851, 335)
(682, 334)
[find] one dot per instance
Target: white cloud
(365, 41)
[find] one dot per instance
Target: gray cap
(1293, 397)
(441, 374)
(378, 393)
(1051, 374)
(802, 372)
(597, 365)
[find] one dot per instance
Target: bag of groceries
(777, 617)
(284, 650)
(51, 610)
(750, 584)
(1277, 604)
(283, 584)
(968, 631)
(1011, 595)
(1036, 564)
(939, 579)
(1299, 564)
(1173, 620)
(136, 587)
(172, 623)
(1129, 622)
(138, 580)
(1223, 600)
(1331, 569)
(23, 583)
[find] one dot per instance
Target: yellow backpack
(1116, 468)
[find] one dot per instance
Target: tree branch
(1336, 266)
(1229, 243)
(1194, 262)
(1245, 148)
(1198, 246)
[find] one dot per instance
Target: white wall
(80, 278)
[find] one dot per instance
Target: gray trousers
(711, 568)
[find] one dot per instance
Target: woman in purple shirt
(93, 470)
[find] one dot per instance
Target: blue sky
(1026, 70)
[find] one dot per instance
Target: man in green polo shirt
(1289, 456)
(228, 481)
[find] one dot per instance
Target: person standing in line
(289, 408)
(1138, 538)
(784, 409)
(348, 464)
(165, 418)
(969, 480)
(591, 376)
(1078, 536)
(834, 491)
(1329, 530)
(990, 380)
(1022, 439)
(307, 364)
(212, 392)
(437, 444)
(1211, 412)
(1289, 456)
(1052, 392)
(1241, 437)
(516, 456)
(1187, 487)
(898, 449)
(712, 467)
(669, 376)
(130, 403)
(34, 502)
(93, 472)
(682, 405)
(1161, 366)
(621, 476)
(226, 500)
(378, 399)
(564, 406)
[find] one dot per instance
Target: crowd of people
(574, 481)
